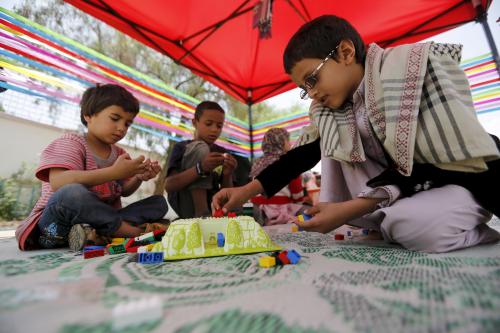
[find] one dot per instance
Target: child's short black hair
(317, 38)
(206, 105)
(97, 98)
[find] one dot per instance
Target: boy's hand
(212, 161)
(125, 167)
(326, 217)
(229, 198)
(230, 164)
(153, 169)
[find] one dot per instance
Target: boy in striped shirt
(84, 175)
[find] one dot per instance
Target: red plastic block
(284, 258)
(231, 214)
(158, 234)
(93, 253)
(133, 249)
(339, 237)
(218, 213)
(129, 243)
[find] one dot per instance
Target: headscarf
(273, 146)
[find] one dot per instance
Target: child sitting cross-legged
(84, 175)
(198, 168)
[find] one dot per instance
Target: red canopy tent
(216, 40)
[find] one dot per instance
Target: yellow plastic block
(295, 228)
(117, 240)
(300, 218)
(267, 262)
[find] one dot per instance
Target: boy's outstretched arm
(329, 216)
(234, 197)
(124, 167)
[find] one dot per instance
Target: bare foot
(127, 230)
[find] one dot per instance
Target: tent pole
(250, 122)
(482, 17)
(250, 130)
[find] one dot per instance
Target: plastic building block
(116, 249)
(304, 217)
(218, 213)
(220, 239)
(349, 234)
(284, 258)
(150, 258)
(158, 234)
(146, 248)
(93, 253)
(136, 313)
(276, 256)
(307, 217)
(130, 243)
(147, 236)
(295, 228)
(267, 262)
(293, 256)
(117, 240)
(339, 237)
(132, 249)
(93, 247)
(197, 238)
(365, 232)
(231, 214)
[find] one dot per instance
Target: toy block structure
(198, 238)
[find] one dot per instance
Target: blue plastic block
(150, 257)
(306, 217)
(293, 256)
(365, 232)
(93, 247)
(220, 239)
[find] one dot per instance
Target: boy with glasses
(401, 148)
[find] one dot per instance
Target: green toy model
(195, 238)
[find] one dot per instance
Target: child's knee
(161, 205)
(195, 152)
(410, 236)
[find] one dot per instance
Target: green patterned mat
(337, 287)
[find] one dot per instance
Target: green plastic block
(116, 249)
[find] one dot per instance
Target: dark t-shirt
(175, 164)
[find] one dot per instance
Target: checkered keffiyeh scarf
(419, 105)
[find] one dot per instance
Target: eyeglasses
(311, 80)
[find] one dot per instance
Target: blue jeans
(75, 204)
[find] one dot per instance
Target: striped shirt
(70, 152)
